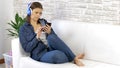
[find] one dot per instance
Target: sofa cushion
(26, 62)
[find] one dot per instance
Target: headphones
(29, 10)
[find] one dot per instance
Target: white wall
(6, 14)
(90, 11)
(1, 37)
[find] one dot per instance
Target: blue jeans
(58, 52)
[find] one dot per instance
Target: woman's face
(36, 13)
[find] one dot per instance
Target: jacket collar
(40, 20)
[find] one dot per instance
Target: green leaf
(13, 26)
(14, 31)
(16, 18)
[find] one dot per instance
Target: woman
(39, 39)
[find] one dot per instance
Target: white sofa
(99, 42)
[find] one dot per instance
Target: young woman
(39, 39)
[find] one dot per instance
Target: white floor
(2, 65)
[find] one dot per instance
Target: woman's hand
(47, 29)
(38, 32)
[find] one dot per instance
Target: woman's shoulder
(24, 25)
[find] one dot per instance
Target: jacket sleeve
(27, 40)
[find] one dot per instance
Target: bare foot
(78, 62)
(80, 56)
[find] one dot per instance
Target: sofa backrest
(72, 33)
(103, 43)
(99, 42)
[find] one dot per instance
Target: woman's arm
(28, 40)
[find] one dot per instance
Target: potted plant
(14, 31)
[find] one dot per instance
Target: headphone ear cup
(29, 10)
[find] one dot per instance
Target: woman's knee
(55, 56)
(60, 57)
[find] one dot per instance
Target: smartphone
(49, 24)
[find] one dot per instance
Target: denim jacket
(29, 41)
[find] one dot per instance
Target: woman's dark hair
(33, 6)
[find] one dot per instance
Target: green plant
(14, 31)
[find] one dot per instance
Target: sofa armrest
(17, 52)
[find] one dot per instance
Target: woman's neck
(35, 25)
(33, 22)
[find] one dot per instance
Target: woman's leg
(56, 43)
(54, 56)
